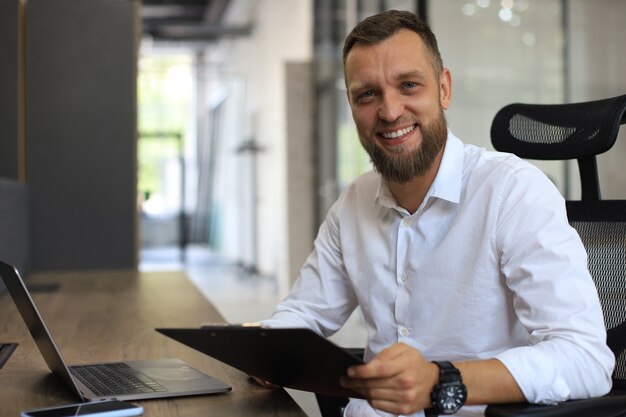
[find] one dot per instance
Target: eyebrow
(355, 86)
(420, 75)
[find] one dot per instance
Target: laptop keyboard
(115, 379)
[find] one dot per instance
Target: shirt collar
(447, 183)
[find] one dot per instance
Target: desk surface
(111, 316)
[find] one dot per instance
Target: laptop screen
(28, 310)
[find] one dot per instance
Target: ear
(445, 89)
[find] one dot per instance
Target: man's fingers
(397, 380)
(393, 407)
(394, 351)
(261, 382)
(376, 369)
(385, 365)
(395, 383)
(385, 394)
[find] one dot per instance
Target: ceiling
(188, 20)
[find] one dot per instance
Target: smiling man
(397, 92)
(473, 286)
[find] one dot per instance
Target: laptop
(129, 380)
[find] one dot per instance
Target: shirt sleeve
(322, 298)
(544, 263)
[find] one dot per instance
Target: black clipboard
(292, 358)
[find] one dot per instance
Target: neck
(410, 195)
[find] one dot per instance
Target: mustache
(402, 168)
(383, 125)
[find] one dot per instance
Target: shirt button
(407, 222)
(405, 332)
(403, 277)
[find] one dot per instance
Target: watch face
(451, 397)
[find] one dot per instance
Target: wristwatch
(449, 394)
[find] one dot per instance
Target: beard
(403, 167)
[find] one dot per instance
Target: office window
(500, 52)
(340, 157)
(164, 94)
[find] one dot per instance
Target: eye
(409, 85)
(365, 95)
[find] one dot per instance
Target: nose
(391, 108)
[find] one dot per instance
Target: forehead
(404, 52)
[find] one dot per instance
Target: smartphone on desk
(112, 408)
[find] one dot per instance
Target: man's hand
(398, 380)
(262, 382)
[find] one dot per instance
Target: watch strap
(447, 372)
(431, 412)
(448, 375)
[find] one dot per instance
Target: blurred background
(245, 134)
(164, 134)
(212, 136)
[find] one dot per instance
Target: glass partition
(499, 52)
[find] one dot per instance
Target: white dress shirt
(487, 267)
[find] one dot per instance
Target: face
(397, 101)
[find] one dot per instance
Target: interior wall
(9, 18)
(597, 68)
(300, 165)
(282, 33)
(81, 132)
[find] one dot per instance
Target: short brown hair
(381, 26)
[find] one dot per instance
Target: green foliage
(164, 97)
(352, 160)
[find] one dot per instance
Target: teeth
(397, 133)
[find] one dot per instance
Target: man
(454, 254)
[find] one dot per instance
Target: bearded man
(473, 286)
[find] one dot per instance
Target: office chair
(579, 131)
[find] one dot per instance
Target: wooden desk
(111, 316)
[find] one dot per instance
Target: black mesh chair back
(580, 131)
(559, 132)
(602, 228)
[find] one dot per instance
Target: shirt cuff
(536, 375)
(361, 408)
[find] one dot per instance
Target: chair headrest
(558, 131)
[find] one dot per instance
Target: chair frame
(605, 118)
